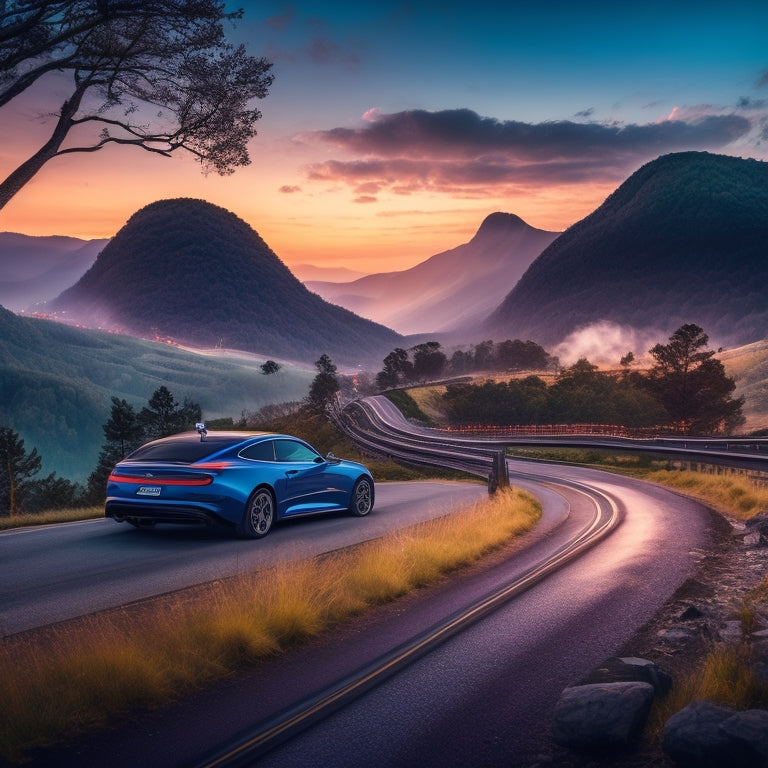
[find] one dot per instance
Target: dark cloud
(462, 132)
(458, 151)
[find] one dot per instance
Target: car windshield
(185, 451)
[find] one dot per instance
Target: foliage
(692, 384)
(270, 367)
(157, 74)
(428, 362)
(407, 406)
(324, 387)
(16, 468)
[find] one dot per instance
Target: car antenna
(200, 427)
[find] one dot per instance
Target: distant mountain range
(193, 272)
(683, 240)
(452, 290)
(36, 269)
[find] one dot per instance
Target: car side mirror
(331, 458)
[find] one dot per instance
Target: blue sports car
(246, 480)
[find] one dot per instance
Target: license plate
(148, 490)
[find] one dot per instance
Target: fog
(605, 343)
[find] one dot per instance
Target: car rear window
(182, 450)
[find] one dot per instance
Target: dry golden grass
(51, 516)
(730, 493)
(68, 682)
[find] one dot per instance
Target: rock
(631, 669)
(756, 528)
(602, 716)
(692, 736)
(749, 733)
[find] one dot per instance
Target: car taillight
(199, 480)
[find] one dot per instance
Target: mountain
(36, 269)
(56, 383)
(305, 272)
(193, 272)
(450, 290)
(683, 240)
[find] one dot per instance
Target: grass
(50, 516)
(59, 683)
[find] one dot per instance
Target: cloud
(458, 150)
(289, 189)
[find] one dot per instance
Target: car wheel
(258, 516)
(362, 497)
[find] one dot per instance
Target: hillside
(56, 383)
(683, 240)
(36, 269)
(193, 272)
(450, 290)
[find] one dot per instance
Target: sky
(392, 129)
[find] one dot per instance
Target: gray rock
(692, 736)
(602, 716)
(749, 733)
(631, 669)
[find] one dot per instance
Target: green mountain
(683, 240)
(56, 384)
(190, 271)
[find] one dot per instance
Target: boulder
(602, 717)
(748, 731)
(631, 669)
(693, 737)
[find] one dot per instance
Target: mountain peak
(188, 270)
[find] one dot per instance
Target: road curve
(58, 572)
(481, 698)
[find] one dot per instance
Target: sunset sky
(393, 128)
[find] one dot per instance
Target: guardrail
(483, 453)
(361, 423)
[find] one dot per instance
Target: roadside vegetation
(60, 682)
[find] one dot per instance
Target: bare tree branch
(159, 75)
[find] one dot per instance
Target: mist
(605, 343)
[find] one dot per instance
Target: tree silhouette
(693, 386)
(153, 74)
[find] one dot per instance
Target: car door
(310, 487)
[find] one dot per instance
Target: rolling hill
(450, 290)
(683, 240)
(56, 383)
(36, 269)
(193, 272)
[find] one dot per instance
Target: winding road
(480, 696)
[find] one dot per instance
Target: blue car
(245, 480)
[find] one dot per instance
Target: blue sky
(393, 129)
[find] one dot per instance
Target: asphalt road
(59, 572)
(484, 697)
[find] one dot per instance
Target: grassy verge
(50, 516)
(61, 683)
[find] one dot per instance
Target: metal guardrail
(363, 425)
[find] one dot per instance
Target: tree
(398, 369)
(165, 416)
(270, 367)
(428, 360)
(693, 386)
(322, 391)
(122, 433)
(16, 467)
(153, 74)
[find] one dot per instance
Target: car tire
(361, 502)
(258, 516)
